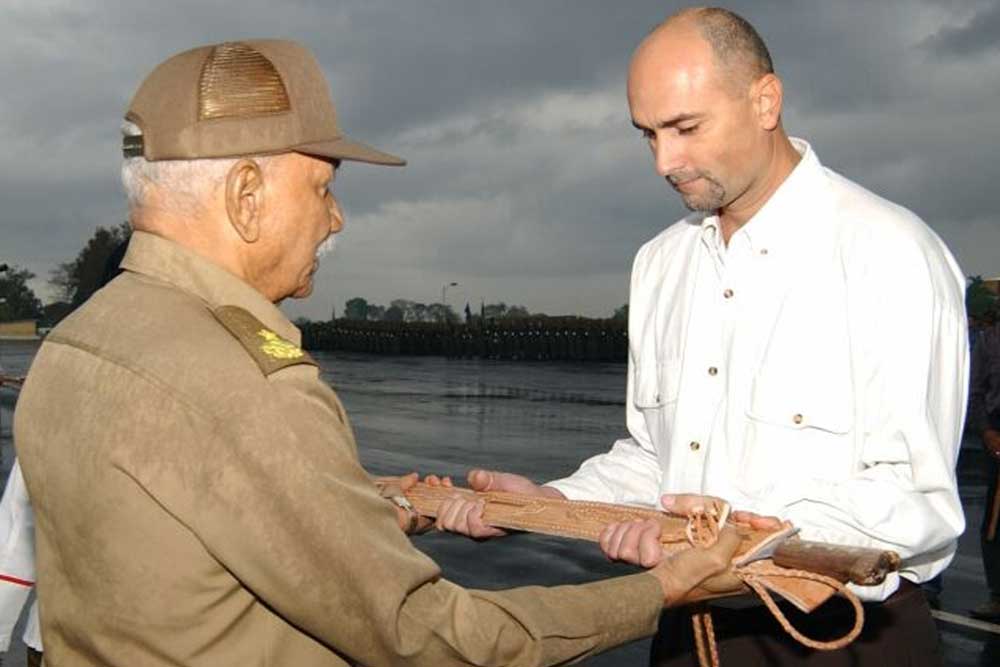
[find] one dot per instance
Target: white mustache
(326, 247)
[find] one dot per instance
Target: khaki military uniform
(199, 501)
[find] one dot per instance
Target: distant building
(19, 329)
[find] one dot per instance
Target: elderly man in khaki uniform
(197, 490)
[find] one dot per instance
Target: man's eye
(648, 135)
(687, 130)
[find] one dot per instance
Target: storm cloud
(526, 182)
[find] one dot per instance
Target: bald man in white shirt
(797, 346)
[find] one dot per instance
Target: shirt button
(712, 370)
(763, 251)
(657, 398)
(728, 294)
(797, 419)
(695, 446)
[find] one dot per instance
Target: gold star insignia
(277, 347)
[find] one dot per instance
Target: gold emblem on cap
(238, 81)
(277, 347)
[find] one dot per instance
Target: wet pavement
(540, 419)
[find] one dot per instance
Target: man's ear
(245, 198)
(767, 95)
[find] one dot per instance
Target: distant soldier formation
(549, 339)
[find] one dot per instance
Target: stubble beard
(712, 200)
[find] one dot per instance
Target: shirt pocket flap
(657, 384)
(782, 404)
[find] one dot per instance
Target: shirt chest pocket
(799, 421)
(784, 402)
(657, 387)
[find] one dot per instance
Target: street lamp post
(444, 292)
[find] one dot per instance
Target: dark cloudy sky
(527, 183)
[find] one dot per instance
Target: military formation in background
(549, 339)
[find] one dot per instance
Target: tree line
(74, 281)
(358, 309)
(981, 304)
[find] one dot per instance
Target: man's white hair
(184, 184)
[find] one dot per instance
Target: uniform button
(797, 419)
(657, 398)
(712, 370)
(695, 446)
(763, 251)
(728, 294)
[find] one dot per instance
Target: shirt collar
(711, 238)
(798, 196)
(172, 263)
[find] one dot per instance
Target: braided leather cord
(702, 532)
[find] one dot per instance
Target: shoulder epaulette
(268, 349)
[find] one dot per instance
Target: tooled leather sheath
(585, 520)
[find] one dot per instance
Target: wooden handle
(856, 565)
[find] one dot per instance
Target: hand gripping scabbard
(803, 572)
(585, 520)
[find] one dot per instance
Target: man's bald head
(702, 91)
(738, 50)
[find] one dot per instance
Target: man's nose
(667, 156)
(336, 215)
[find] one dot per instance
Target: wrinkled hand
(635, 542)
(991, 441)
(638, 542)
(434, 480)
(461, 515)
(696, 574)
(409, 521)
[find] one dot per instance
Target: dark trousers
(991, 548)
(898, 633)
(33, 657)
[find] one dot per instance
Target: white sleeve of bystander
(17, 553)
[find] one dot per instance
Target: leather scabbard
(585, 520)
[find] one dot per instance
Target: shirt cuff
(573, 490)
(877, 593)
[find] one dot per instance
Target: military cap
(253, 97)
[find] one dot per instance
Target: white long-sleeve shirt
(17, 561)
(816, 369)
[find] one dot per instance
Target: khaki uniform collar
(172, 263)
